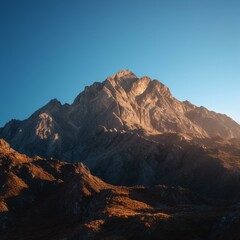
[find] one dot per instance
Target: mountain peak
(123, 74)
(54, 102)
(122, 103)
(52, 105)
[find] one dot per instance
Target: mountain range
(125, 160)
(132, 131)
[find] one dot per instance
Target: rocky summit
(47, 199)
(131, 131)
(122, 103)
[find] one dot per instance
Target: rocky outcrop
(25, 181)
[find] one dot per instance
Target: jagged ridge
(122, 102)
(131, 130)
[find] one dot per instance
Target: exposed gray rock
(131, 130)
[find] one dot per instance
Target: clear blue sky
(53, 48)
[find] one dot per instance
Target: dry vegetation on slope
(49, 199)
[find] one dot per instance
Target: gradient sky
(53, 48)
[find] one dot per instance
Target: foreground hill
(48, 199)
(132, 131)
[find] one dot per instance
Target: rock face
(123, 102)
(43, 199)
(132, 131)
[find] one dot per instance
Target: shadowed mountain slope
(43, 199)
